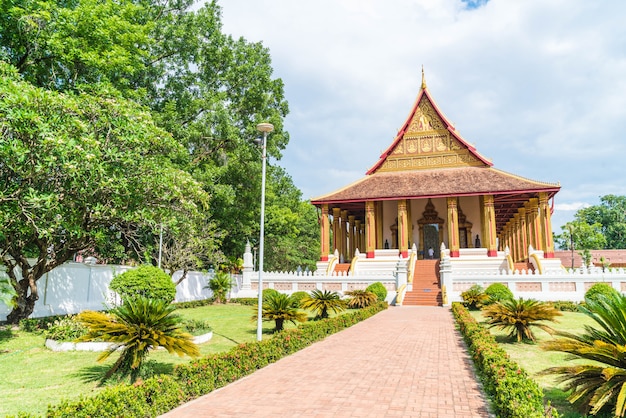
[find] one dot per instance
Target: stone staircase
(426, 290)
(342, 268)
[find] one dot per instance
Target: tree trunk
(27, 296)
(279, 324)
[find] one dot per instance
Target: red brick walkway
(403, 362)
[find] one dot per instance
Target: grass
(533, 359)
(33, 376)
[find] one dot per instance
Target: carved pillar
(370, 229)
(518, 237)
(344, 236)
(453, 227)
(336, 230)
(403, 229)
(351, 236)
(324, 234)
(358, 240)
(533, 208)
(523, 233)
(378, 207)
(489, 235)
(546, 224)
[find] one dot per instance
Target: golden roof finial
(423, 79)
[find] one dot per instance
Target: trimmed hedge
(513, 393)
(160, 394)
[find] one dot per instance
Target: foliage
(82, 167)
(323, 301)
(7, 292)
(378, 289)
(297, 298)
(361, 298)
(579, 235)
(611, 215)
(66, 328)
(511, 390)
(567, 306)
(474, 297)
(136, 327)
(519, 315)
(146, 281)
(497, 292)
(269, 292)
(598, 386)
(195, 326)
(160, 394)
(220, 285)
(598, 290)
(279, 307)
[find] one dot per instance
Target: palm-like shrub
(599, 386)
(519, 315)
(474, 297)
(361, 298)
(279, 308)
(321, 302)
(136, 327)
(220, 285)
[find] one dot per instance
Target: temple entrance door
(431, 240)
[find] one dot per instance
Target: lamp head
(265, 127)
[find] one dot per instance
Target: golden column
(378, 207)
(536, 236)
(336, 230)
(517, 236)
(358, 239)
(403, 229)
(370, 229)
(453, 227)
(523, 232)
(344, 236)
(546, 225)
(351, 236)
(489, 230)
(324, 234)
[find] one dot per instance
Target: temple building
(432, 190)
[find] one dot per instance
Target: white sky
(538, 86)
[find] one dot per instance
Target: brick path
(403, 362)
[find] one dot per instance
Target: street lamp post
(266, 128)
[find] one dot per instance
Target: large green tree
(611, 215)
(77, 167)
(206, 88)
(581, 237)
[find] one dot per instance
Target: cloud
(537, 86)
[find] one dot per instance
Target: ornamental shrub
(297, 298)
(497, 292)
(146, 281)
(378, 289)
(600, 290)
(267, 292)
(66, 328)
(474, 298)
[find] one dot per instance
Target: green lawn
(533, 359)
(33, 376)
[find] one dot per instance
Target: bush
(567, 306)
(65, 329)
(267, 292)
(498, 292)
(297, 297)
(195, 326)
(378, 289)
(513, 393)
(474, 297)
(146, 281)
(600, 290)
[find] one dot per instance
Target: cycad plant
(474, 298)
(361, 298)
(279, 308)
(598, 386)
(321, 302)
(220, 285)
(519, 315)
(136, 327)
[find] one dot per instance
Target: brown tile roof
(460, 181)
